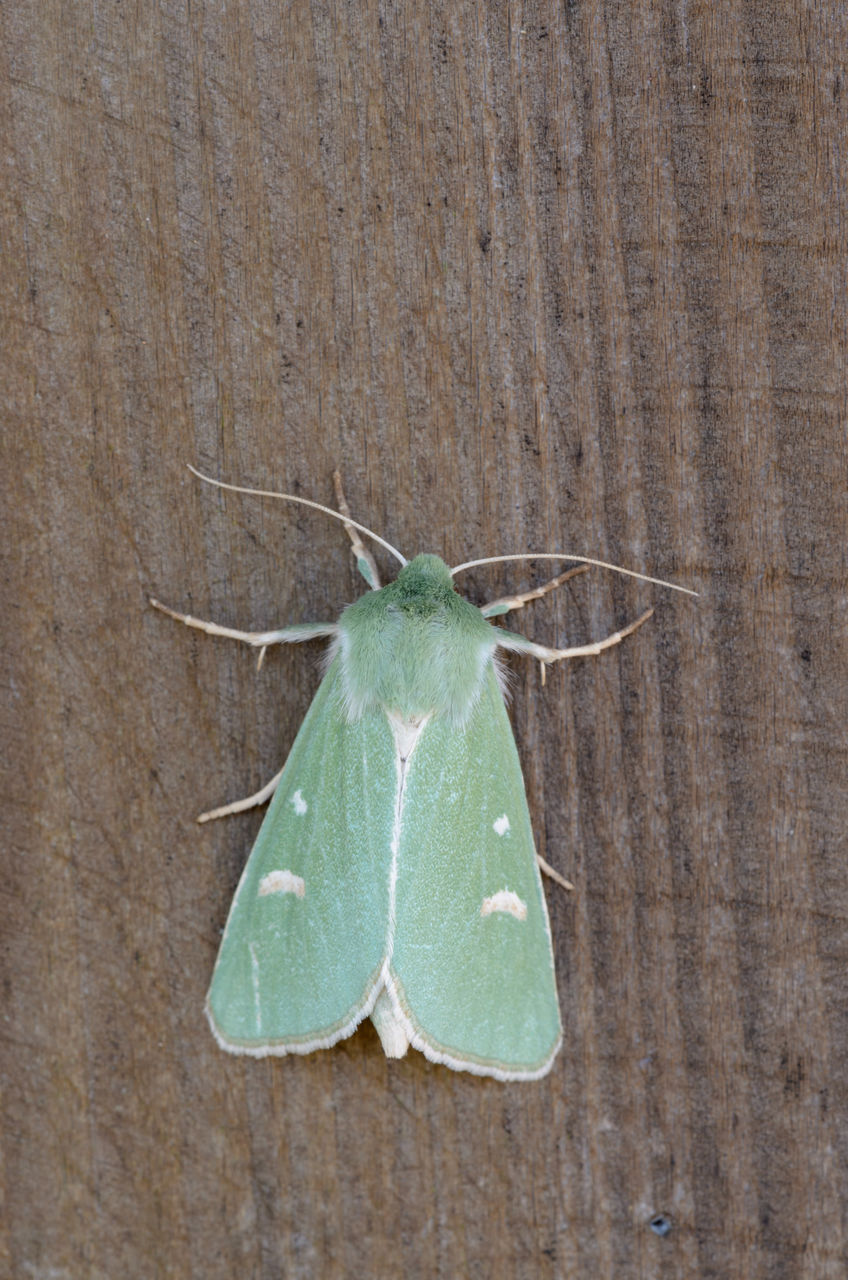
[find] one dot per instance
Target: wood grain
(533, 276)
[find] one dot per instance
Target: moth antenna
(554, 555)
(304, 502)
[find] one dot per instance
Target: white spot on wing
(507, 902)
(300, 805)
(282, 882)
(501, 825)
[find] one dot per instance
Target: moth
(395, 875)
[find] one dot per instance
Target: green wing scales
(439, 897)
(472, 964)
(301, 955)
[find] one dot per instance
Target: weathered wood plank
(540, 276)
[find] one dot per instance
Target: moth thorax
(406, 732)
(415, 648)
(413, 674)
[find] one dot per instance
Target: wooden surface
(534, 277)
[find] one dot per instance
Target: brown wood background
(539, 275)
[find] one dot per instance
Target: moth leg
(520, 644)
(249, 802)
(259, 639)
(548, 870)
(365, 562)
(507, 603)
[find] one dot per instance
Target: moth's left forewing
(302, 954)
(472, 966)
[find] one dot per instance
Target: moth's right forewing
(472, 963)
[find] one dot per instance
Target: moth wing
(472, 964)
(300, 958)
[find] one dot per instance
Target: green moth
(395, 875)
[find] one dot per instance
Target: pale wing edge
(339, 1030)
(436, 1052)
